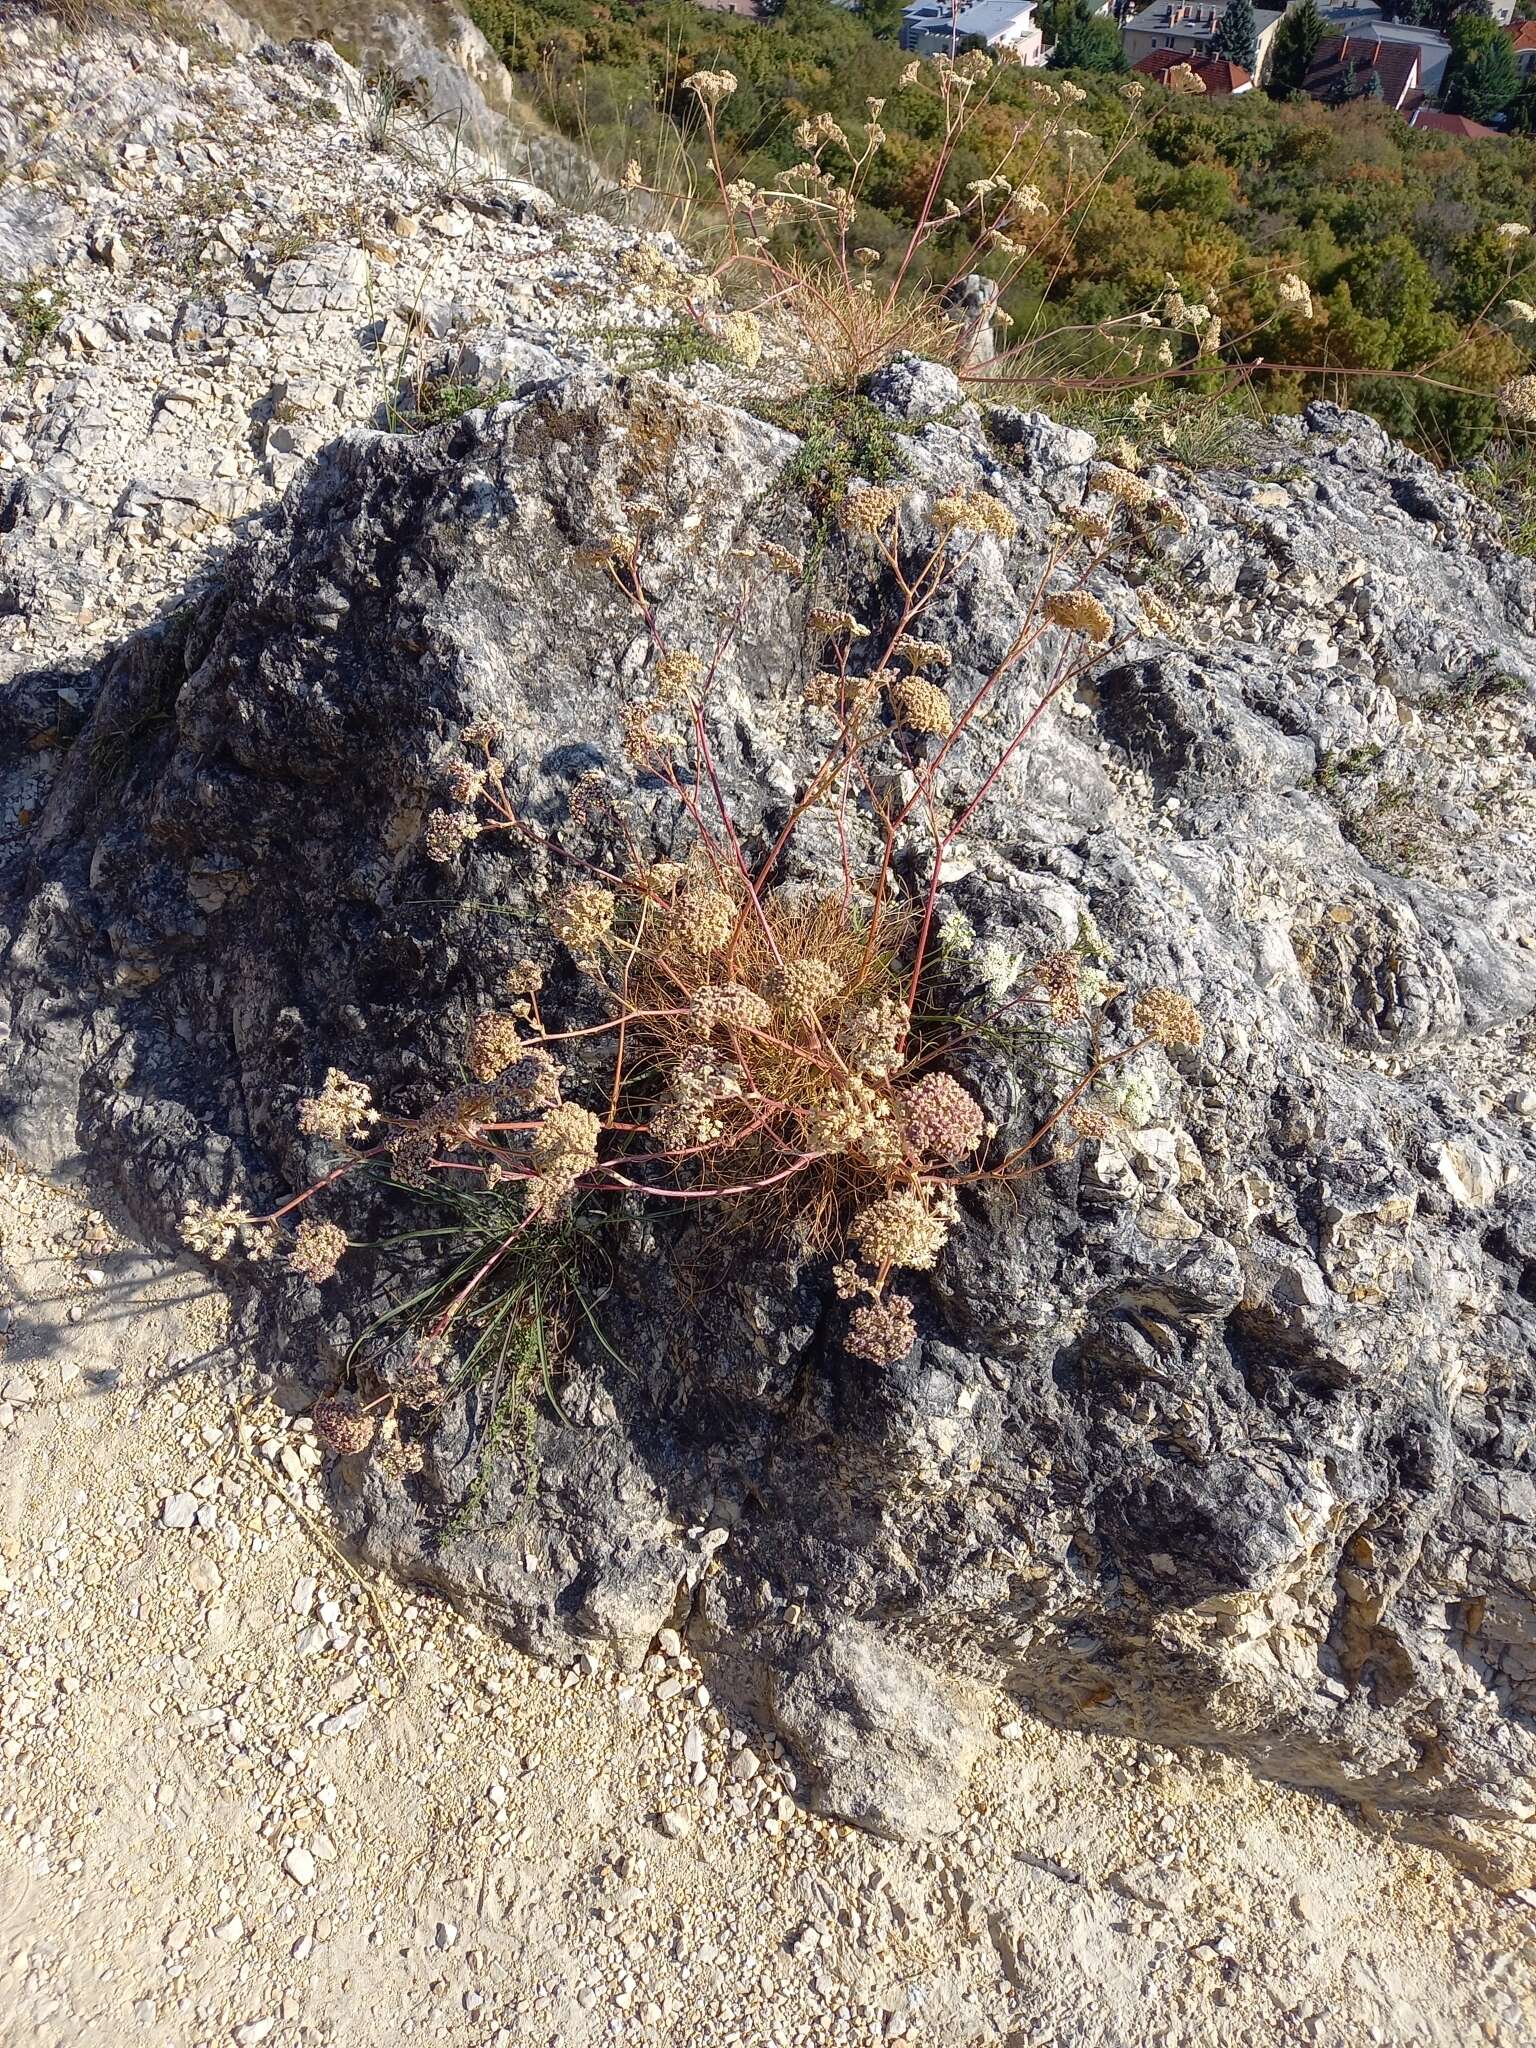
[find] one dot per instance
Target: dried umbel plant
(787, 1058)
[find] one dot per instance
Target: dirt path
(245, 1797)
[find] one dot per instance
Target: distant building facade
(1187, 28)
(930, 25)
(1366, 22)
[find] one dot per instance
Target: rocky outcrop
(182, 325)
(1223, 1433)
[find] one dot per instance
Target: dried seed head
(882, 1331)
(1295, 291)
(819, 129)
(590, 798)
(1159, 616)
(1517, 400)
(582, 916)
(525, 978)
(712, 86)
(742, 334)
(564, 1148)
(807, 987)
(677, 677)
(974, 511)
(410, 1157)
(871, 1041)
(855, 1118)
(481, 732)
(1111, 481)
(849, 698)
(1170, 1019)
(923, 653)
(921, 706)
(446, 833)
(642, 744)
(545, 1199)
(703, 1075)
(212, 1232)
(1091, 1122)
(565, 1144)
(343, 1111)
(701, 1082)
(703, 918)
(460, 1116)
(905, 1228)
(847, 1281)
(664, 877)
(395, 1455)
(833, 625)
(677, 1126)
(341, 1425)
(531, 1082)
(1060, 975)
(494, 1044)
(419, 1381)
(943, 1120)
(870, 511)
(1079, 613)
(317, 1249)
(727, 1004)
(463, 783)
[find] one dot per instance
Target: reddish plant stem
(336, 1173)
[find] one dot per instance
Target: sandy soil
(247, 1795)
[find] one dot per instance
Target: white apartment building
(930, 25)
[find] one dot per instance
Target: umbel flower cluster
(788, 1059)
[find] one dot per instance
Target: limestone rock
(889, 1742)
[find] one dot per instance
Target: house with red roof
(1459, 125)
(1344, 67)
(1523, 35)
(1221, 78)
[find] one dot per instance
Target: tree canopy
(1300, 32)
(1482, 75)
(1087, 41)
(1237, 36)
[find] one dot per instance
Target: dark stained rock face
(1224, 1430)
